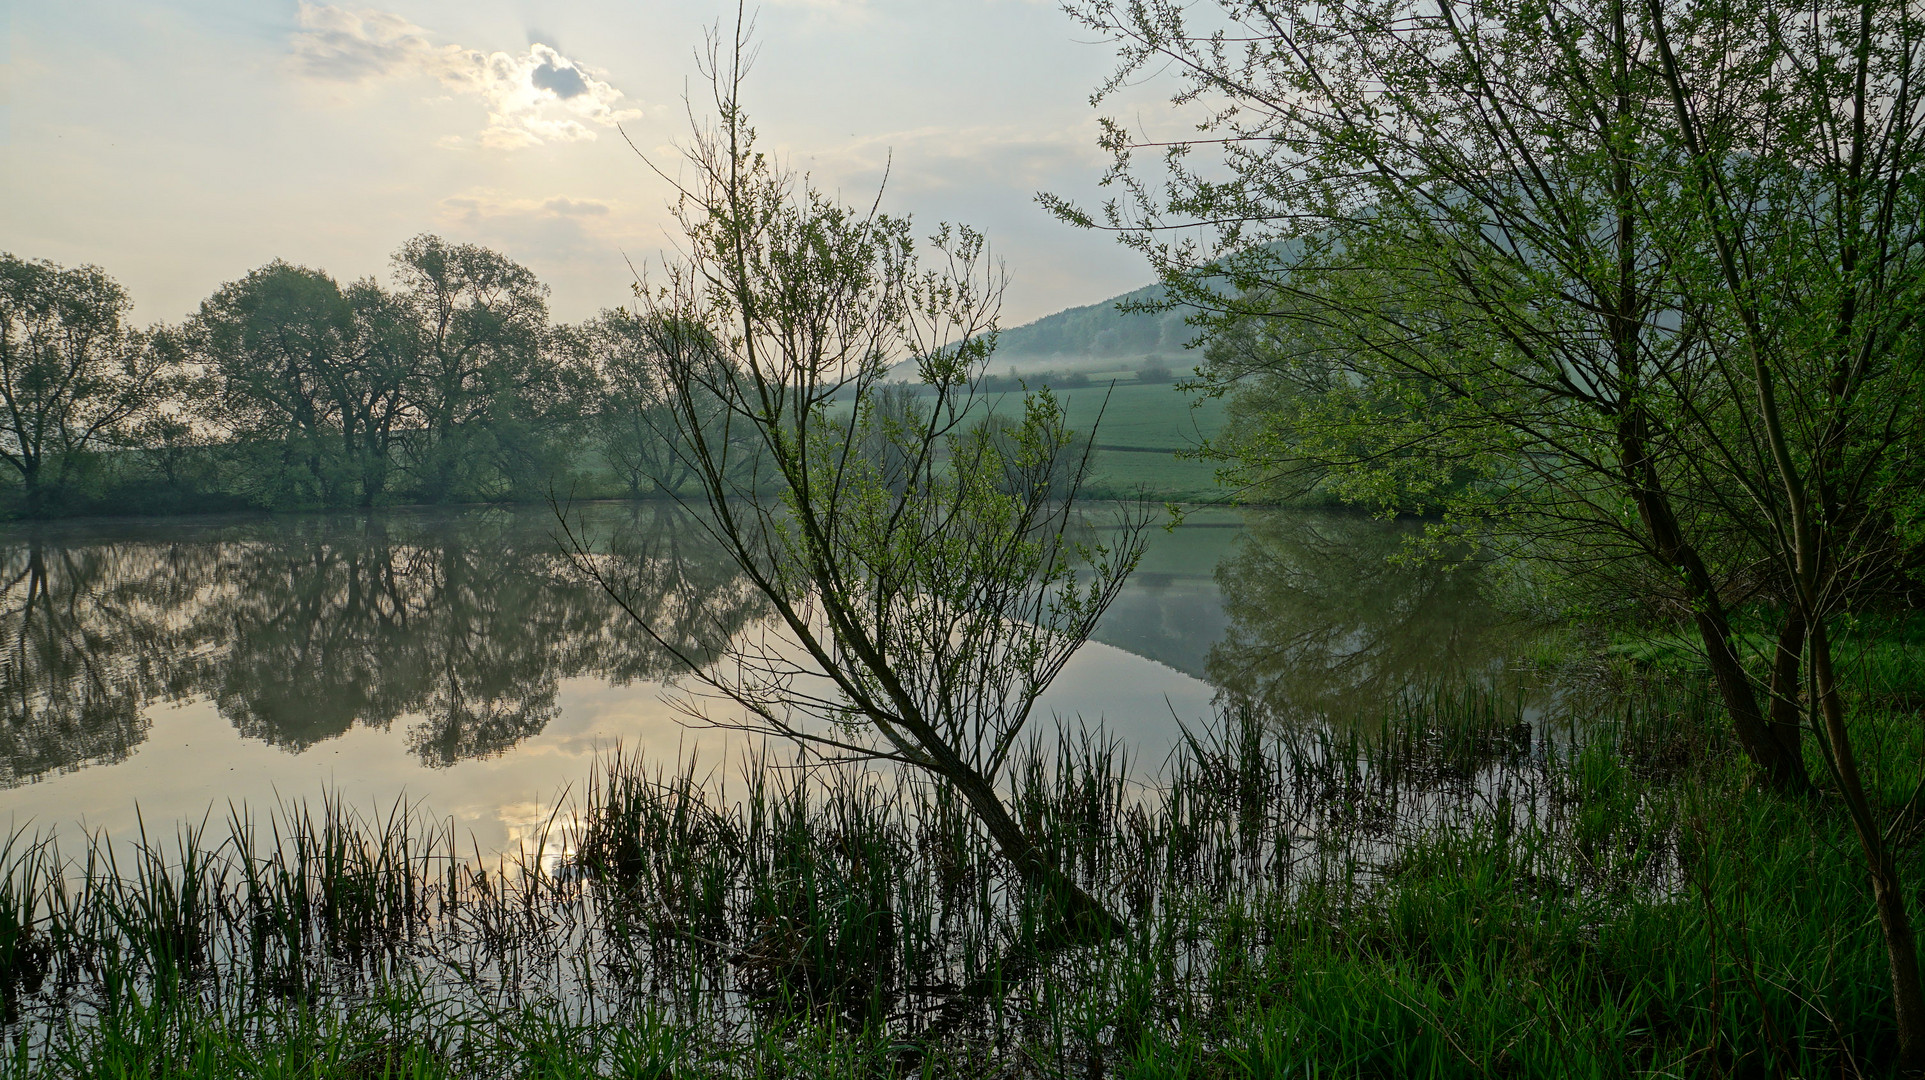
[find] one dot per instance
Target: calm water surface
(157, 671)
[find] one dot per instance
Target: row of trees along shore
(290, 390)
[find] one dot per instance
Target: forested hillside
(1100, 331)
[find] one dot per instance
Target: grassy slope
(1140, 428)
(1140, 431)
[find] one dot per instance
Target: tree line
(288, 389)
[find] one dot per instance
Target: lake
(156, 671)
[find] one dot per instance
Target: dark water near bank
(160, 668)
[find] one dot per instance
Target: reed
(1451, 893)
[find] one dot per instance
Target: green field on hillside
(1139, 429)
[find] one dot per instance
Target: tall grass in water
(1452, 894)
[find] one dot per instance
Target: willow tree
(1640, 277)
(929, 574)
(300, 369)
(1467, 211)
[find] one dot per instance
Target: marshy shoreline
(1452, 892)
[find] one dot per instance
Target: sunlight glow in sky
(182, 143)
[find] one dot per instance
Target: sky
(181, 143)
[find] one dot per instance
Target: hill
(1093, 356)
(1098, 340)
(1076, 337)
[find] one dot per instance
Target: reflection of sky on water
(441, 656)
(194, 761)
(445, 656)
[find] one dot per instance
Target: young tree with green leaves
(1463, 216)
(928, 578)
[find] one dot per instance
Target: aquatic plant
(1452, 892)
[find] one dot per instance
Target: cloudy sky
(180, 143)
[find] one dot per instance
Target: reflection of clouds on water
(1136, 701)
(1167, 618)
(1322, 623)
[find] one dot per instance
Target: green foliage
(449, 385)
(1630, 288)
(626, 358)
(75, 380)
(1303, 426)
(1455, 894)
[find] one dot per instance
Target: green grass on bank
(1140, 428)
(1139, 431)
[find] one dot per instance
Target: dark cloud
(564, 82)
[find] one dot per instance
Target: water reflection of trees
(80, 633)
(1324, 624)
(299, 629)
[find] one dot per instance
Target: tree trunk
(1782, 765)
(1787, 718)
(1781, 762)
(35, 490)
(1888, 894)
(1082, 919)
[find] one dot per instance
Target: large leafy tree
(1638, 278)
(479, 322)
(310, 380)
(73, 374)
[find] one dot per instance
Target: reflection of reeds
(1408, 898)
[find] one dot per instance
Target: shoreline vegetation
(1639, 321)
(1452, 892)
(450, 385)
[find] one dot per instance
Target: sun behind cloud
(534, 97)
